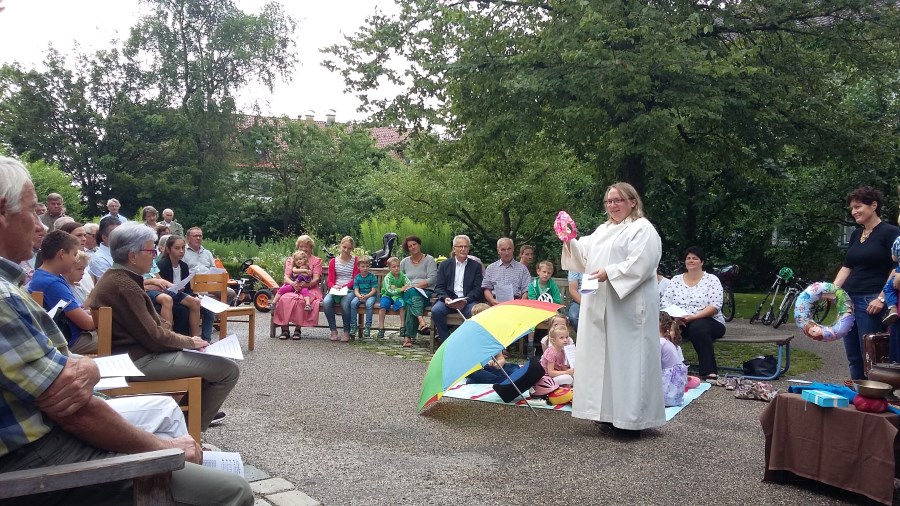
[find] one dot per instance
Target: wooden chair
(190, 386)
(218, 284)
(150, 471)
(38, 297)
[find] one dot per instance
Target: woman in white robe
(619, 380)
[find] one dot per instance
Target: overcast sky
(28, 26)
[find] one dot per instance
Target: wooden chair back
(211, 283)
(38, 297)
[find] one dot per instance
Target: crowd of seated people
(53, 416)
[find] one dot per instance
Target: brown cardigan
(137, 329)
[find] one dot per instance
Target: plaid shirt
(514, 275)
(32, 354)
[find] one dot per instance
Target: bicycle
(727, 275)
(783, 277)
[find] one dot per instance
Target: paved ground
(339, 421)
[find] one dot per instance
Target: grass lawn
(734, 355)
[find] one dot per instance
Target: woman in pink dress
(291, 308)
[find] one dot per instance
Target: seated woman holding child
(292, 307)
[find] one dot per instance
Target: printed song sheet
(177, 287)
(59, 305)
(216, 306)
(569, 351)
(117, 365)
(589, 285)
(230, 462)
(228, 348)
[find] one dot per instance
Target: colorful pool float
(803, 308)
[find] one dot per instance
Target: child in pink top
(554, 358)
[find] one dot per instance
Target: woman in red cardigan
(341, 271)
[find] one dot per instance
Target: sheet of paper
(454, 301)
(503, 293)
(215, 270)
(59, 305)
(801, 382)
(177, 287)
(675, 311)
(230, 462)
(589, 285)
(569, 351)
(229, 347)
(422, 292)
(117, 365)
(211, 304)
(107, 383)
(340, 292)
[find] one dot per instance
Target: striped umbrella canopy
(477, 341)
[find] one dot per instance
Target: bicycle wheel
(728, 307)
(820, 310)
(787, 304)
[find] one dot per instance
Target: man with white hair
(113, 206)
(51, 415)
(175, 228)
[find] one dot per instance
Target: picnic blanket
(485, 393)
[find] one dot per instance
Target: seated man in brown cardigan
(138, 330)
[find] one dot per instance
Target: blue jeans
(890, 295)
(574, 308)
(344, 301)
(370, 306)
(863, 324)
(439, 314)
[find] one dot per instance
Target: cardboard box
(825, 399)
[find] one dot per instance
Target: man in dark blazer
(457, 278)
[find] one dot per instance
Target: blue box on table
(825, 399)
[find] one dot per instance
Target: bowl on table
(872, 389)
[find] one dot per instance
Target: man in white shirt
(101, 260)
(198, 258)
(457, 278)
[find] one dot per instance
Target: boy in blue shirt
(365, 289)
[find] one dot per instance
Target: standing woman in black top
(867, 266)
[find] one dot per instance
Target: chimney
(310, 115)
(329, 116)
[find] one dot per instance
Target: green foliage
(270, 254)
(735, 354)
(47, 178)
(436, 238)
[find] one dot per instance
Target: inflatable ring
(564, 226)
(810, 296)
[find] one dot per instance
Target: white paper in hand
(108, 383)
(117, 365)
(338, 292)
(59, 305)
(230, 462)
(228, 348)
(589, 285)
(569, 351)
(675, 311)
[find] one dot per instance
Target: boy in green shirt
(395, 283)
(543, 287)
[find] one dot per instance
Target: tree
(48, 179)
(701, 106)
(301, 176)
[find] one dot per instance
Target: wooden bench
(455, 319)
(783, 344)
(379, 273)
(150, 471)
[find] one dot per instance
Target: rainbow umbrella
(477, 341)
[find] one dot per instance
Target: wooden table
(841, 447)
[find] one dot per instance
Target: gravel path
(340, 422)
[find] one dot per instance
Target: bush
(269, 255)
(47, 178)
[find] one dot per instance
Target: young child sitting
(392, 297)
(890, 293)
(365, 289)
(554, 358)
(300, 273)
(491, 372)
(557, 320)
(674, 372)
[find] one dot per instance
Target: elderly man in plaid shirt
(48, 413)
(505, 279)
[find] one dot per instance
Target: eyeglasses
(154, 252)
(461, 246)
(616, 202)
